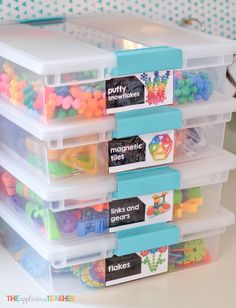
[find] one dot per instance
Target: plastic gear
(91, 274)
(195, 250)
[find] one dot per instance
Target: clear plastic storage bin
(108, 261)
(79, 70)
(131, 200)
(128, 141)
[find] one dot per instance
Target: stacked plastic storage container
(111, 148)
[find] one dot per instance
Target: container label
(121, 267)
(136, 265)
(141, 151)
(141, 210)
(139, 91)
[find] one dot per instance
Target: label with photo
(141, 151)
(139, 91)
(141, 210)
(136, 265)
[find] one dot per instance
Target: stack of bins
(91, 113)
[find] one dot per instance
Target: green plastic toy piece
(50, 223)
(193, 193)
(59, 170)
(32, 196)
(35, 161)
(20, 189)
(30, 207)
(35, 211)
(177, 196)
(195, 250)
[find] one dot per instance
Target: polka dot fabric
(219, 16)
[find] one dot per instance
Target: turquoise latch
(44, 21)
(145, 121)
(146, 237)
(148, 59)
(146, 181)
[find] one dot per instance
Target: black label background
(132, 84)
(130, 157)
(134, 269)
(135, 215)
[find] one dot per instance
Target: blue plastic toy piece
(92, 221)
(34, 264)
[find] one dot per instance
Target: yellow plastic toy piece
(33, 146)
(190, 206)
(83, 158)
(54, 155)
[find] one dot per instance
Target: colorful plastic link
(93, 219)
(187, 201)
(91, 274)
(188, 254)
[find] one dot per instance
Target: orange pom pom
(88, 114)
(98, 113)
(97, 94)
(75, 92)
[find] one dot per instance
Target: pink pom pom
(23, 84)
(178, 75)
(5, 77)
(59, 101)
(67, 102)
(6, 85)
(38, 104)
(76, 103)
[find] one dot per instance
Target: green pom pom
(100, 86)
(27, 89)
(71, 112)
(190, 99)
(28, 101)
(204, 75)
(177, 92)
(189, 82)
(60, 114)
(194, 89)
(182, 100)
(181, 83)
(185, 91)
